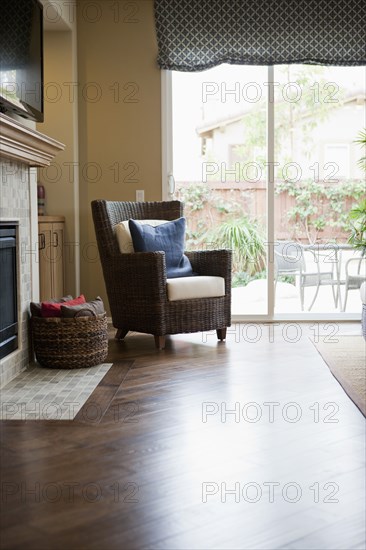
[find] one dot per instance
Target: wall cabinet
(51, 231)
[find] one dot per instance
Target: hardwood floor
(156, 460)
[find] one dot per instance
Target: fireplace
(22, 150)
(8, 290)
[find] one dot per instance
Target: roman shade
(194, 35)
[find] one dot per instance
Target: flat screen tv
(21, 58)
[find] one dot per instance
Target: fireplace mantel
(22, 144)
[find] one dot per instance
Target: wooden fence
(250, 199)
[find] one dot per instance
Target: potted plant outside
(357, 238)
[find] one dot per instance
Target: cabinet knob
(42, 241)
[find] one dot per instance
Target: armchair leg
(159, 341)
(221, 333)
(121, 333)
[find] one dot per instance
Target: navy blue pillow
(168, 237)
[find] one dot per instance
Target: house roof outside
(204, 130)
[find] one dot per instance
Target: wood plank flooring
(245, 444)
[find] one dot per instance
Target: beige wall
(110, 127)
(59, 179)
(119, 116)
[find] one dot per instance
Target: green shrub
(244, 237)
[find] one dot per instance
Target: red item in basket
(51, 309)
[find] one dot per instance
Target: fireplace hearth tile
(56, 395)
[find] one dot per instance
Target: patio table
(290, 259)
(329, 253)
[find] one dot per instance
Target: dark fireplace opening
(8, 290)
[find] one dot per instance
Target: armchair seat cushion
(191, 288)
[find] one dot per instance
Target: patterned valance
(198, 34)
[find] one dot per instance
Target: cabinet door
(57, 240)
(45, 260)
(51, 262)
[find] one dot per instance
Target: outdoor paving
(252, 299)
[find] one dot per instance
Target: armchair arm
(136, 276)
(212, 262)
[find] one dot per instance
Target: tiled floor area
(49, 394)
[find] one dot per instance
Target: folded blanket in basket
(35, 307)
(50, 309)
(89, 309)
(68, 307)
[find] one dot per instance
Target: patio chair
(139, 293)
(355, 269)
(289, 259)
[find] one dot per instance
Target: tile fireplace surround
(22, 149)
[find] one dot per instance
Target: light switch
(140, 195)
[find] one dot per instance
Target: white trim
(166, 132)
(33, 210)
(76, 165)
(298, 317)
(270, 193)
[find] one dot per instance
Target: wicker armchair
(136, 283)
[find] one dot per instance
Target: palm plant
(357, 215)
(361, 140)
(246, 240)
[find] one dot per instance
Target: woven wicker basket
(62, 343)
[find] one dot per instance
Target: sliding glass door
(319, 112)
(219, 159)
(266, 162)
